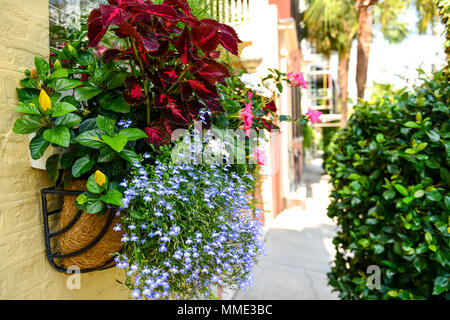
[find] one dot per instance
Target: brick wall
(24, 270)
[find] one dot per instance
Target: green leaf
(421, 146)
(411, 124)
(117, 143)
(82, 199)
(403, 191)
(419, 194)
(59, 135)
(42, 66)
(82, 165)
(120, 105)
(93, 186)
(434, 136)
(106, 155)
(389, 194)
(392, 293)
(63, 84)
(135, 214)
(86, 93)
(67, 159)
(113, 197)
(62, 108)
(27, 124)
(432, 163)
(59, 73)
(117, 80)
(445, 174)
(380, 138)
(68, 120)
(434, 195)
(130, 156)
(91, 138)
(52, 166)
(28, 95)
(440, 284)
(133, 134)
(364, 242)
(27, 108)
(38, 145)
(428, 237)
(95, 207)
(106, 124)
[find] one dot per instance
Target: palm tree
(331, 27)
(392, 29)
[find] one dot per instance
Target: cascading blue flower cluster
(186, 229)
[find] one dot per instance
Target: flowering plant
(189, 227)
(105, 105)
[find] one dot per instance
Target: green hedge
(390, 174)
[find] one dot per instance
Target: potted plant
(111, 98)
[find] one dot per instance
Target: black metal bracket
(51, 255)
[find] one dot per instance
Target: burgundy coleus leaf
(214, 105)
(203, 90)
(267, 124)
(214, 54)
(161, 101)
(176, 112)
(194, 108)
(156, 136)
(156, 80)
(96, 13)
(127, 30)
(229, 43)
(271, 106)
(213, 72)
(228, 36)
(206, 37)
(168, 75)
(185, 11)
(182, 44)
(160, 10)
(133, 93)
(111, 55)
(96, 31)
(150, 43)
(163, 47)
(185, 91)
(113, 15)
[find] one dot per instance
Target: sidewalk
(299, 248)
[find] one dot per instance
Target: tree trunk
(364, 37)
(344, 58)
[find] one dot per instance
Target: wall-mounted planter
(84, 240)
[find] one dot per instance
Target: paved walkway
(298, 248)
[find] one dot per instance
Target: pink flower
(297, 79)
(247, 115)
(100, 50)
(260, 156)
(314, 115)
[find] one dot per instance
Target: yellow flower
(100, 178)
(44, 101)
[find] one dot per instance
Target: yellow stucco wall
(24, 271)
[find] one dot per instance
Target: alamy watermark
(74, 280)
(374, 280)
(227, 146)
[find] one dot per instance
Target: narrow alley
(299, 247)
